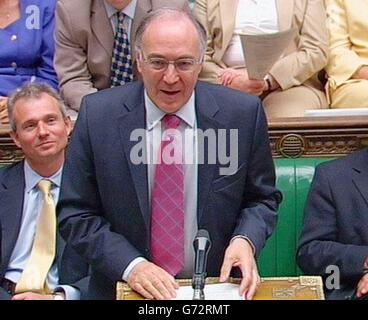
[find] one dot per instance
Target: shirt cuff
(247, 239)
(70, 292)
(130, 267)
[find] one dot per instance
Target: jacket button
(13, 37)
(14, 65)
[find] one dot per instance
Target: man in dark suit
(334, 240)
(84, 41)
(40, 128)
(110, 200)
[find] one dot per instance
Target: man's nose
(171, 76)
(42, 129)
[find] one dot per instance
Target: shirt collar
(129, 10)
(155, 114)
(32, 178)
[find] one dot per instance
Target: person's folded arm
(210, 69)
(312, 53)
(344, 63)
(45, 71)
(70, 60)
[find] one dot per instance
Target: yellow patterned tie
(35, 272)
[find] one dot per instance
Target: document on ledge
(341, 112)
(262, 50)
(216, 291)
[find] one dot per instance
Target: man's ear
(68, 124)
(139, 62)
(14, 136)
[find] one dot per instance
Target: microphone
(202, 245)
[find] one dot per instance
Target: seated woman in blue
(26, 45)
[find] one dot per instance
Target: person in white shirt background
(292, 84)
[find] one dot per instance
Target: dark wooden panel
(289, 137)
(317, 137)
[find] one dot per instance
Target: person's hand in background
(238, 79)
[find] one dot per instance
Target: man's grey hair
(170, 12)
(30, 91)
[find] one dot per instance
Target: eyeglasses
(181, 65)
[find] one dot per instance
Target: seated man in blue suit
(33, 256)
(334, 240)
(133, 215)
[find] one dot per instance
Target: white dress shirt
(188, 129)
(129, 12)
(253, 16)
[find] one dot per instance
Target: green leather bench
(293, 178)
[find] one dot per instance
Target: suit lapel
(206, 108)
(101, 26)
(360, 179)
(284, 13)
(129, 122)
(11, 199)
(228, 16)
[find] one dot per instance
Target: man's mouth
(45, 143)
(170, 92)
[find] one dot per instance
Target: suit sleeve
(319, 244)
(258, 217)
(311, 55)
(45, 70)
(83, 223)
(75, 79)
(344, 61)
(210, 68)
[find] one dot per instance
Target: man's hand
(240, 254)
(152, 282)
(32, 296)
(362, 288)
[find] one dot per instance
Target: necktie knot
(45, 186)
(171, 121)
(121, 16)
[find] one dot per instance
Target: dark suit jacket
(104, 209)
(72, 269)
(335, 230)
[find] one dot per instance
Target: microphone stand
(198, 283)
(201, 244)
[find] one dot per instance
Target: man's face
(41, 131)
(118, 4)
(169, 89)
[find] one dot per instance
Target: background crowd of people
(70, 45)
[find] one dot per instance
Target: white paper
(217, 291)
(261, 51)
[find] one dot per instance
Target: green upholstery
(293, 179)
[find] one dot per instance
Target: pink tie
(167, 220)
